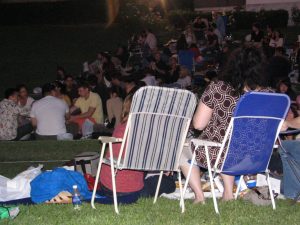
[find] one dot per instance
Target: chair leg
(97, 176)
(181, 203)
(238, 187)
(158, 186)
(271, 191)
(211, 181)
(189, 174)
(113, 178)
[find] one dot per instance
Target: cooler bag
(87, 163)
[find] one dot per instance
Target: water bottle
(76, 198)
(251, 181)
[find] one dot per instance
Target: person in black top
(174, 70)
(159, 67)
(257, 35)
(71, 87)
(199, 27)
(99, 88)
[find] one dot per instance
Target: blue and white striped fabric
(157, 127)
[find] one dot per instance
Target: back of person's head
(48, 88)
(211, 74)
(115, 90)
(126, 108)
(60, 87)
(245, 68)
(9, 92)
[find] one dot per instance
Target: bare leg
(228, 187)
(194, 182)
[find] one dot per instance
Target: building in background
(249, 5)
(256, 5)
(218, 5)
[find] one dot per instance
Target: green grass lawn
(30, 54)
(143, 212)
(40, 151)
(163, 212)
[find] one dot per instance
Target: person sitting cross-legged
(49, 114)
(90, 106)
(9, 113)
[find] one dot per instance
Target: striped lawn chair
(249, 139)
(156, 130)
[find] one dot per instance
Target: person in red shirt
(127, 181)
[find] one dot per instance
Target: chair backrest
(157, 126)
(255, 126)
(186, 58)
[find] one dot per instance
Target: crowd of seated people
(145, 62)
(97, 100)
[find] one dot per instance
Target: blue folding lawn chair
(249, 139)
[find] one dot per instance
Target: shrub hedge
(275, 18)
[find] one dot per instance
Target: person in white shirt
(151, 40)
(276, 41)
(218, 33)
(24, 99)
(49, 114)
(149, 79)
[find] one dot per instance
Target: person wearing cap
(49, 114)
(9, 112)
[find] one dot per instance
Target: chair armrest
(199, 142)
(107, 139)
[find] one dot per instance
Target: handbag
(259, 196)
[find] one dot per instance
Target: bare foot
(199, 201)
(226, 198)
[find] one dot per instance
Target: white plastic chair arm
(107, 139)
(199, 142)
